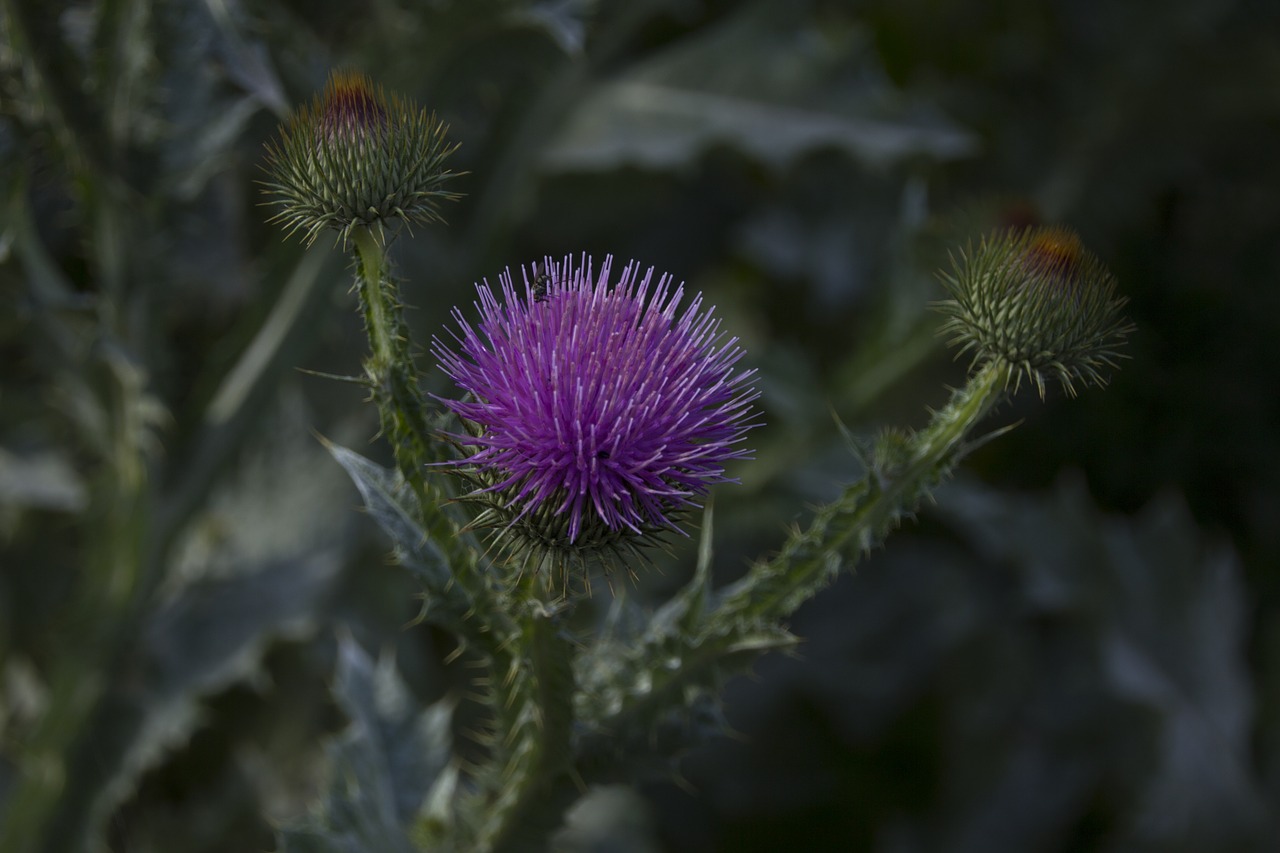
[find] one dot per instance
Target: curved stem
(747, 619)
(403, 411)
(393, 376)
(869, 509)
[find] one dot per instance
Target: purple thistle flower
(597, 414)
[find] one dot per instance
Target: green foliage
(355, 158)
(769, 81)
(1026, 672)
(1160, 609)
(1036, 299)
(1031, 666)
(391, 504)
(385, 764)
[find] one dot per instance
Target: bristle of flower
(598, 414)
(352, 106)
(1037, 300)
(355, 157)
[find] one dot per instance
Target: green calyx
(536, 540)
(1036, 300)
(356, 157)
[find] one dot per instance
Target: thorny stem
(390, 365)
(746, 620)
(535, 733)
(773, 589)
(403, 411)
(529, 677)
(529, 661)
(529, 687)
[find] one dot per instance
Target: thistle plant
(357, 158)
(1036, 300)
(593, 414)
(597, 414)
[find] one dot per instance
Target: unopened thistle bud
(354, 157)
(597, 415)
(1036, 300)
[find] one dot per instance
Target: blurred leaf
(389, 501)
(189, 649)
(768, 81)
(563, 21)
(611, 819)
(314, 841)
(211, 146)
(190, 645)
(224, 77)
(245, 60)
(1167, 608)
(47, 283)
(40, 481)
(384, 764)
(414, 745)
(1057, 679)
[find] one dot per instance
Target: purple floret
(608, 402)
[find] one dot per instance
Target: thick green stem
(378, 311)
(526, 660)
(746, 621)
(538, 728)
(404, 414)
(529, 687)
(390, 366)
(869, 509)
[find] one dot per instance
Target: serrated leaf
(416, 745)
(392, 504)
(388, 500)
(1166, 611)
(770, 82)
(385, 763)
(1179, 648)
(190, 649)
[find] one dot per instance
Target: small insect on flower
(594, 428)
(541, 284)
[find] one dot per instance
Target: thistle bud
(354, 157)
(1038, 301)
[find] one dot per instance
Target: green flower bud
(355, 157)
(1038, 301)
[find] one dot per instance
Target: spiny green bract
(355, 156)
(1037, 300)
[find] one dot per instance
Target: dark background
(1076, 647)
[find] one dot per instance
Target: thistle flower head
(1037, 300)
(597, 415)
(354, 157)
